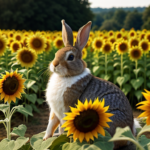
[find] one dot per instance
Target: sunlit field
(121, 57)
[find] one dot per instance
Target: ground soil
(38, 123)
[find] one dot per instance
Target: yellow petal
(148, 121)
(6, 98)
(81, 137)
(144, 114)
(94, 133)
(2, 95)
(86, 104)
(100, 130)
(76, 135)
(71, 130)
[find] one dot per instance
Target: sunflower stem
(121, 65)
(8, 123)
(145, 71)
(105, 64)
(136, 66)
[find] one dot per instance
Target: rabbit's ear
(83, 35)
(67, 34)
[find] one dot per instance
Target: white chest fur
(57, 85)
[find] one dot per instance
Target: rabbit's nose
(55, 63)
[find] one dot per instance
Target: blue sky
(119, 3)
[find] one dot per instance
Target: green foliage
(43, 15)
(133, 20)
(20, 130)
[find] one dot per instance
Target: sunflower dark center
(26, 57)
(134, 43)
(47, 46)
(148, 37)
(107, 48)
(11, 35)
(145, 46)
(142, 36)
(86, 121)
(132, 34)
(119, 36)
(111, 34)
(37, 43)
(136, 53)
(15, 47)
(1, 44)
(123, 47)
(112, 41)
(59, 43)
(98, 44)
(18, 38)
(10, 85)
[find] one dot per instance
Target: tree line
(121, 18)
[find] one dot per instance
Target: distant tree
(44, 14)
(120, 16)
(133, 20)
(146, 24)
(110, 25)
(109, 15)
(146, 14)
(98, 20)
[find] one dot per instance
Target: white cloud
(119, 3)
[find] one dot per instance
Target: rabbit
(72, 80)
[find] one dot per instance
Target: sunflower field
(121, 57)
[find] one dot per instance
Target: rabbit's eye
(71, 57)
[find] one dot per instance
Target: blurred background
(47, 14)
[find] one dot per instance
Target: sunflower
(18, 36)
(88, 42)
(26, 57)
(48, 45)
(10, 40)
(107, 48)
(37, 42)
(135, 53)
(133, 42)
(11, 86)
(3, 44)
(11, 34)
(58, 42)
(111, 33)
(84, 53)
(87, 120)
(145, 105)
(122, 47)
(132, 33)
(144, 44)
(112, 40)
(15, 46)
(24, 41)
(148, 36)
(142, 36)
(118, 35)
(97, 43)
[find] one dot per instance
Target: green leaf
(116, 72)
(6, 144)
(116, 64)
(37, 142)
(31, 97)
(73, 146)
(120, 80)
(138, 94)
(126, 88)
(26, 147)
(107, 77)
(97, 69)
(126, 67)
(20, 142)
(121, 133)
(58, 142)
(35, 108)
(35, 88)
(146, 128)
(28, 83)
(4, 107)
(144, 141)
(148, 84)
(110, 68)
(136, 83)
(20, 130)
(136, 71)
(148, 73)
(40, 101)
(91, 147)
(25, 111)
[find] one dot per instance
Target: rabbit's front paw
(46, 137)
